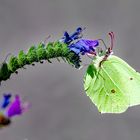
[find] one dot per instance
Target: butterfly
(111, 83)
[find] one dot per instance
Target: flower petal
(6, 100)
(84, 46)
(15, 107)
(74, 36)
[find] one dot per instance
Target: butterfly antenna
(109, 50)
(111, 34)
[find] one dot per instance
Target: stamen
(84, 28)
(103, 43)
(46, 39)
(7, 57)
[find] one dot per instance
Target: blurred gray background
(60, 109)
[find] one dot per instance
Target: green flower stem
(38, 54)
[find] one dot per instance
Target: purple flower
(16, 107)
(67, 38)
(84, 46)
(77, 33)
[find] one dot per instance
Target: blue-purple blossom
(6, 100)
(78, 45)
(77, 33)
(84, 46)
(67, 38)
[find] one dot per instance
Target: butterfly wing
(114, 86)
